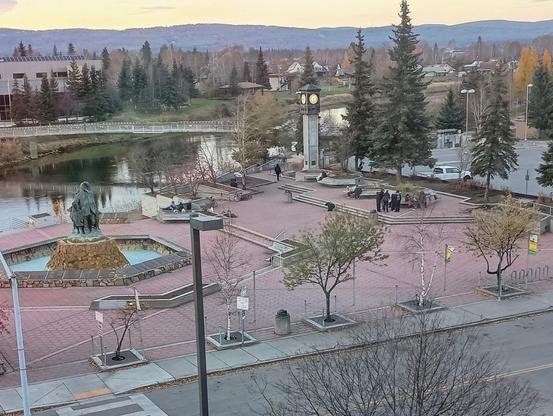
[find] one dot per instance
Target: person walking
(393, 202)
(278, 171)
(379, 197)
(385, 201)
(398, 203)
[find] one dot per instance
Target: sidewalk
(68, 390)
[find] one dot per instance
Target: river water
(45, 184)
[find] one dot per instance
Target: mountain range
(209, 36)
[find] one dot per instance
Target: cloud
(7, 5)
(153, 8)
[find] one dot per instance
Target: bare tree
(344, 238)
(424, 244)
(402, 368)
(208, 165)
(4, 319)
(496, 235)
(229, 261)
(125, 319)
(146, 166)
(464, 154)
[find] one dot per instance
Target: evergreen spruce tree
(451, 116)
(494, 151)
(74, 79)
(124, 82)
(71, 49)
(140, 93)
(233, 82)
(55, 51)
(308, 76)
(146, 53)
(85, 88)
(403, 135)
(361, 113)
(106, 60)
(435, 54)
(46, 111)
(540, 112)
(21, 51)
(54, 94)
(28, 100)
(261, 71)
(18, 110)
(188, 76)
(246, 76)
(545, 169)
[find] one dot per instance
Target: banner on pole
(449, 253)
(533, 244)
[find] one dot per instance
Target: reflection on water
(48, 184)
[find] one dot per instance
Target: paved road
(529, 158)
(524, 344)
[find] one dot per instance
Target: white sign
(242, 303)
(99, 316)
(100, 329)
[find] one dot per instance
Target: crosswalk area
(131, 405)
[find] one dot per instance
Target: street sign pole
(445, 268)
(243, 304)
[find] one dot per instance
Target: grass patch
(199, 109)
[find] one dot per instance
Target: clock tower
(310, 107)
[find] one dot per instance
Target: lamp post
(201, 223)
(19, 337)
(526, 117)
(467, 92)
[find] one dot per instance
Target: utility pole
(19, 337)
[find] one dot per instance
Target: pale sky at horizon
(121, 14)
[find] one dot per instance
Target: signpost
(243, 304)
(533, 240)
(448, 256)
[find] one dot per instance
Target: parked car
(447, 173)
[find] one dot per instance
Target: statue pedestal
(308, 175)
(86, 253)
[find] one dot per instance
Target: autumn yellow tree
(525, 71)
(547, 60)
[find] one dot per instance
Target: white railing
(122, 127)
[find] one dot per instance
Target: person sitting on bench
(355, 192)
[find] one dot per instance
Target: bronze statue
(83, 212)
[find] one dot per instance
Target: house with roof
(244, 87)
(440, 70)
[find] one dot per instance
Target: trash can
(282, 322)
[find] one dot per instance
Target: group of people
(180, 207)
(386, 202)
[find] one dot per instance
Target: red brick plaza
(58, 324)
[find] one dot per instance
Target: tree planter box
(131, 357)
(507, 292)
(221, 343)
(319, 323)
(412, 306)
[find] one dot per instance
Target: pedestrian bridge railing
(122, 127)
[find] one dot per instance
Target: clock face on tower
(313, 99)
(303, 99)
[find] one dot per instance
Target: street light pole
(19, 337)
(526, 117)
(201, 223)
(467, 93)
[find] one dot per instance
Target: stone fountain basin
(171, 257)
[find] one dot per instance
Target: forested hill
(215, 36)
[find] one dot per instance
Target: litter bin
(282, 322)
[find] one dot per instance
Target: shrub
(10, 150)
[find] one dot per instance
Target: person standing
(385, 201)
(398, 203)
(379, 197)
(393, 202)
(278, 171)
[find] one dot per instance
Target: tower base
(308, 175)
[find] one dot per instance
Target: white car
(447, 173)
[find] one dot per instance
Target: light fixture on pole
(19, 337)
(467, 93)
(526, 117)
(201, 223)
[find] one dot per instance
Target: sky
(121, 14)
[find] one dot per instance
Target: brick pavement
(58, 324)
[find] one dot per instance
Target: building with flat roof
(35, 68)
